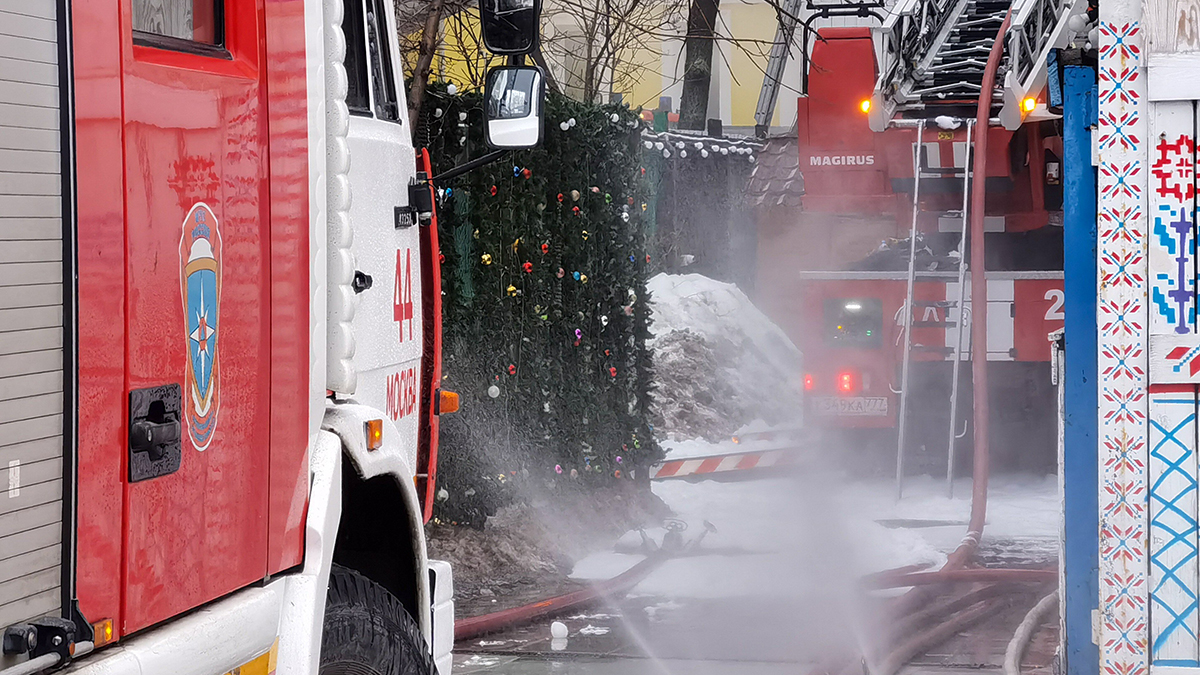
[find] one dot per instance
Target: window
(357, 96)
(854, 322)
(387, 105)
(179, 24)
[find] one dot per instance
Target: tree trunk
(420, 78)
(697, 69)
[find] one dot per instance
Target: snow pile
(719, 361)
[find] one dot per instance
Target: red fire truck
(835, 275)
(219, 340)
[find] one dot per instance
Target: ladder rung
(934, 324)
(935, 303)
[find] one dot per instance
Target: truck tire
(368, 632)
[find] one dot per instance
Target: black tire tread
(367, 631)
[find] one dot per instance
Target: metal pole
(912, 275)
(962, 318)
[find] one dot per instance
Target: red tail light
(847, 382)
(809, 382)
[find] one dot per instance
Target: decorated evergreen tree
(545, 312)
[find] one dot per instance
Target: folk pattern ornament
(1174, 610)
(1174, 346)
(1122, 319)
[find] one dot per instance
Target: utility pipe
(979, 319)
(1020, 639)
(948, 576)
(472, 627)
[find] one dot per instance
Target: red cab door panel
(198, 302)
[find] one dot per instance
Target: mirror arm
(470, 166)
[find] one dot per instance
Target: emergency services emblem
(200, 279)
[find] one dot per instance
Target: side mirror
(510, 26)
(514, 106)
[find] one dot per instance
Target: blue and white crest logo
(200, 281)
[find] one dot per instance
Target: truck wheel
(368, 632)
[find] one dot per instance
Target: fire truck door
(387, 321)
(198, 304)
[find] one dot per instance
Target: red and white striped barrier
(741, 461)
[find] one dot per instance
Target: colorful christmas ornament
(607, 198)
(486, 258)
(528, 267)
(575, 195)
(560, 197)
(558, 468)
(576, 275)
(560, 273)
(585, 235)
(583, 279)
(545, 249)
(612, 371)
(512, 290)
(526, 173)
(512, 369)
(493, 190)
(575, 210)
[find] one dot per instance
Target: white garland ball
(571, 121)
(648, 145)
(494, 391)
(451, 89)
(704, 153)
(683, 154)
(437, 112)
(724, 151)
(564, 126)
(658, 145)
(615, 118)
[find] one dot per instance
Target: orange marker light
(865, 105)
(1029, 104)
(447, 402)
(374, 434)
(103, 632)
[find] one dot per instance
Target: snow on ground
(777, 535)
(701, 448)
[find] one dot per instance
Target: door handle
(155, 432)
(153, 437)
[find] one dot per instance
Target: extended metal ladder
(933, 52)
(910, 304)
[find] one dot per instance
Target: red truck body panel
(160, 133)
